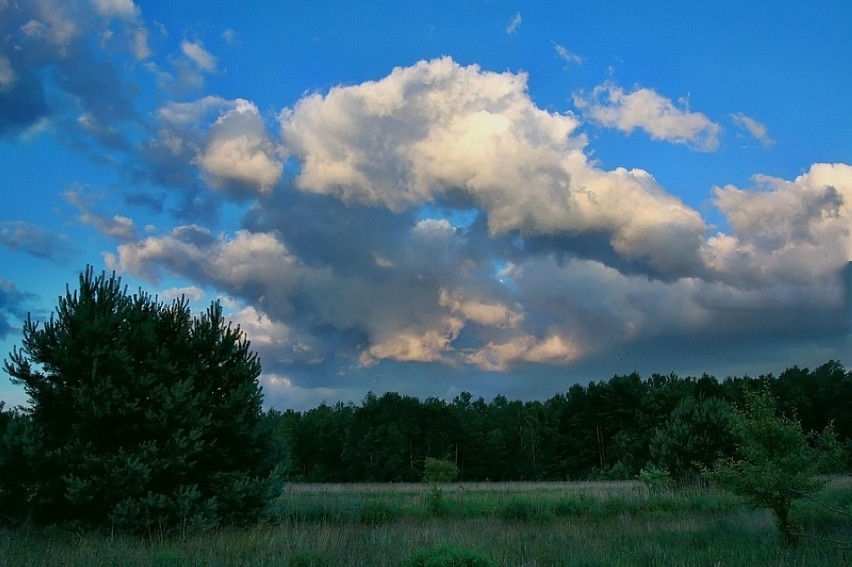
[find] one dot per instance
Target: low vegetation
(495, 524)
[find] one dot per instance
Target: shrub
(440, 470)
(775, 463)
(655, 479)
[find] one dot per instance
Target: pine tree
(142, 416)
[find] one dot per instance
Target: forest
(606, 430)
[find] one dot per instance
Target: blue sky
(498, 197)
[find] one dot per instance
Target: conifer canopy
(142, 416)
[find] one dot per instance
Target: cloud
(566, 56)
(500, 357)
(610, 106)
(70, 50)
(12, 307)
(119, 8)
(479, 311)
(239, 153)
(794, 231)
(7, 74)
(754, 128)
(33, 240)
(215, 143)
(191, 293)
(195, 52)
(438, 216)
(514, 24)
(438, 131)
(116, 226)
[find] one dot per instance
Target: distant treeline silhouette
(604, 430)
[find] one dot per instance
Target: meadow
(512, 524)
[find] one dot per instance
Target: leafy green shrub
(775, 463)
(436, 503)
(440, 470)
(655, 479)
(447, 556)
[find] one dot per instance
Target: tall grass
(585, 524)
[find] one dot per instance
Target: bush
(142, 417)
(775, 463)
(655, 479)
(435, 502)
(440, 470)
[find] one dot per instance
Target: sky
(429, 198)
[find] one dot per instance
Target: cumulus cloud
(239, 152)
(610, 106)
(479, 311)
(500, 357)
(358, 260)
(438, 129)
(796, 231)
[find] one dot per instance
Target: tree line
(609, 429)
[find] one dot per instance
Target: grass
(531, 524)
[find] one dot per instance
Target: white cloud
(196, 53)
(568, 57)
(478, 311)
(191, 293)
(553, 349)
(754, 128)
(119, 8)
(514, 24)
(435, 127)
(240, 151)
(612, 107)
(797, 231)
(117, 226)
(235, 153)
(285, 392)
(414, 345)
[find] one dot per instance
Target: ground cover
(531, 524)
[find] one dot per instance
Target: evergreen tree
(142, 416)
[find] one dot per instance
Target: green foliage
(655, 479)
(695, 435)
(440, 470)
(447, 556)
(17, 454)
(775, 463)
(142, 417)
(436, 504)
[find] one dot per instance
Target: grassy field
(513, 524)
